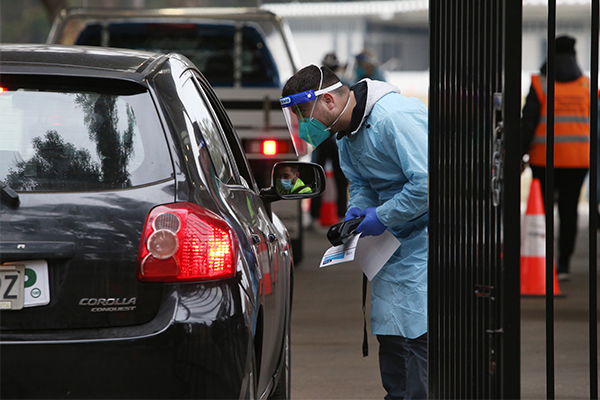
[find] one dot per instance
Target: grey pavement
(327, 331)
(571, 330)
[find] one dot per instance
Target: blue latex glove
(352, 213)
(371, 225)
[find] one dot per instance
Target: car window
(201, 115)
(209, 46)
(79, 140)
(229, 133)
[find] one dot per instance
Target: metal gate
(473, 162)
(475, 168)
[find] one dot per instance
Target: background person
(367, 66)
(571, 141)
(331, 61)
(288, 181)
(382, 138)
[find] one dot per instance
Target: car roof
(232, 13)
(77, 61)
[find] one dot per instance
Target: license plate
(32, 290)
(12, 287)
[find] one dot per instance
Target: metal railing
(474, 274)
(474, 136)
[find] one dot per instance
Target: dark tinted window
(79, 140)
(209, 129)
(209, 46)
(228, 131)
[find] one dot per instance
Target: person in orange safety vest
(571, 141)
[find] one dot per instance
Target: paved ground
(327, 331)
(327, 325)
(571, 331)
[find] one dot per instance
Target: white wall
(316, 37)
(534, 44)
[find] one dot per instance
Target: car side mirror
(293, 180)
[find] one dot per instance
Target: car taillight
(269, 147)
(2, 89)
(186, 242)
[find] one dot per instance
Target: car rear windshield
(79, 140)
(211, 47)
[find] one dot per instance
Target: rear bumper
(200, 353)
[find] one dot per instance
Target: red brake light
(186, 242)
(2, 89)
(269, 147)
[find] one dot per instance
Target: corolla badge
(109, 304)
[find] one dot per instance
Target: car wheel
(282, 391)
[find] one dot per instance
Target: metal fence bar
(549, 200)
(433, 307)
(511, 385)
(467, 65)
(473, 338)
(593, 204)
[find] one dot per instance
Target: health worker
(382, 138)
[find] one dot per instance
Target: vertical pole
(593, 221)
(237, 55)
(550, 79)
(511, 295)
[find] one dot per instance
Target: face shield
(298, 125)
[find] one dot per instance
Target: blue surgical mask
(286, 184)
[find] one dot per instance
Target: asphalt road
(571, 330)
(327, 330)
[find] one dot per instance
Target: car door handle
(255, 239)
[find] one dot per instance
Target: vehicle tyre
(283, 389)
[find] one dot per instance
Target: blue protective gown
(385, 160)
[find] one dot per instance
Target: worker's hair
(308, 78)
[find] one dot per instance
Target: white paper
(374, 251)
(371, 252)
(341, 253)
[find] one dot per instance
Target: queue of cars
(139, 256)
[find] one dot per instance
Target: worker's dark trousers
(567, 184)
(403, 366)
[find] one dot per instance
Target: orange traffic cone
(533, 246)
(328, 213)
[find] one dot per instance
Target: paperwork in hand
(371, 252)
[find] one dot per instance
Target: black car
(139, 259)
(246, 54)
